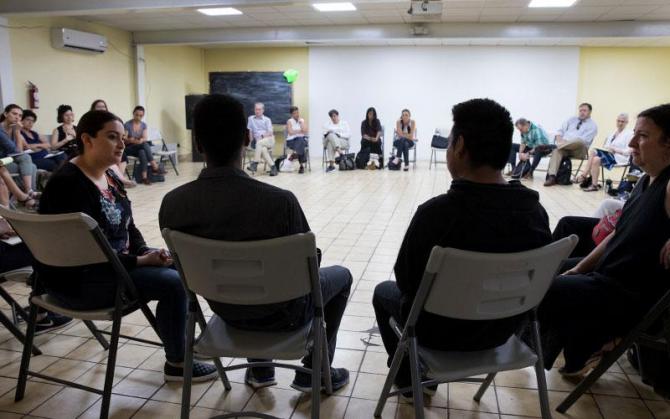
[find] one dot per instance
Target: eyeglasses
(620, 121)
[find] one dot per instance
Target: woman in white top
(336, 134)
(615, 151)
(296, 136)
(405, 135)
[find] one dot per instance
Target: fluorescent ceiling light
(220, 11)
(551, 3)
(334, 7)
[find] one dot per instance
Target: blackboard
(249, 87)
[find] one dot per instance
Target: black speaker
(191, 101)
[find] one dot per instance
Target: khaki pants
(576, 149)
(332, 142)
(262, 147)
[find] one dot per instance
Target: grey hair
(259, 104)
(521, 121)
(623, 115)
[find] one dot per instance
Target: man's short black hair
(220, 128)
(486, 128)
(29, 114)
(333, 112)
(588, 105)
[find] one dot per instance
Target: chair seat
(450, 366)
(438, 148)
(165, 153)
(49, 303)
(220, 339)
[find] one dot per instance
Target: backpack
(564, 174)
(393, 166)
(346, 162)
(521, 169)
(362, 159)
(153, 177)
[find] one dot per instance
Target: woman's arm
(412, 132)
(363, 134)
(589, 262)
(398, 129)
(303, 127)
(289, 130)
(54, 140)
(379, 131)
(145, 136)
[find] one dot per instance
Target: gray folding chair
(19, 275)
(477, 286)
(413, 150)
(307, 157)
(70, 240)
(251, 273)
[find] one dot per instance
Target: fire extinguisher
(33, 95)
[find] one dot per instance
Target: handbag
(439, 141)
(346, 162)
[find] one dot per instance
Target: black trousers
(371, 146)
(14, 257)
(582, 227)
(537, 157)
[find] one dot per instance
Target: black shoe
(406, 168)
(260, 377)
(408, 396)
(51, 322)
(339, 378)
(253, 166)
(301, 170)
(330, 168)
(588, 181)
(201, 372)
(273, 170)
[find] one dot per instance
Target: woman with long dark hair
(371, 132)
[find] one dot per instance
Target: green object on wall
(291, 75)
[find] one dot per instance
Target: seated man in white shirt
(336, 136)
(261, 135)
(572, 140)
(615, 151)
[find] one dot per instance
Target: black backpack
(346, 162)
(564, 174)
(521, 169)
(362, 159)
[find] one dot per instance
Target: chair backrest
(483, 286)
(246, 272)
(155, 136)
(62, 240)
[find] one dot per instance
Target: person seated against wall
(606, 294)
(336, 134)
(261, 138)
(7, 184)
(85, 184)
(405, 135)
(224, 203)
(119, 169)
(62, 138)
(10, 124)
(532, 135)
(137, 145)
(371, 132)
(615, 151)
(17, 256)
(39, 145)
(296, 136)
(480, 212)
(572, 140)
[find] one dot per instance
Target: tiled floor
(359, 219)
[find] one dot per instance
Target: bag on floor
(347, 161)
(564, 174)
(394, 166)
(153, 177)
(521, 169)
(362, 159)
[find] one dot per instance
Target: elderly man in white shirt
(615, 151)
(261, 135)
(572, 140)
(336, 136)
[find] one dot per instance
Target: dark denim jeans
(402, 146)
(142, 152)
(298, 144)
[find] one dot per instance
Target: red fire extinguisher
(33, 96)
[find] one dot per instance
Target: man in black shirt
(224, 203)
(480, 212)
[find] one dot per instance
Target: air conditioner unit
(425, 8)
(63, 38)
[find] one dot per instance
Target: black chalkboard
(249, 87)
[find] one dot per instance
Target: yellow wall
(265, 59)
(172, 72)
(616, 80)
(69, 77)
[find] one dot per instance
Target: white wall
(538, 83)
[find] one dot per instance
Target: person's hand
(523, 156)
(155, 257)
(6, 231)
(560, 141)
(611, 150)
(665, 255)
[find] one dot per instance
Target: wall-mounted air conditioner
(63, 38)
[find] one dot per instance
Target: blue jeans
(142, 152)
(298, 144)
(402, 146)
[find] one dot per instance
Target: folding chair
(413, 150)
(19, 275)
(251, 273)
(477, 286)
(640, 335)
(70, 240)
(162, 150)
(307, 158)
(434, 152)
(625, 166)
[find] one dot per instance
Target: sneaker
(339, 378)
(551, 181)
(273, 170)
(301, 170)
(51, 322)
(408, 396)
(330, 168)
(253, 166)
(260, 377)
(201, 372)
(406, 169)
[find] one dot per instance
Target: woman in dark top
(39, 145)
(480, 212)
(611, 289)
(87, 185)
(371, 131)
(63, 137)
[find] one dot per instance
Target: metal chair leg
(96, 333)
(25, 358)
(188, 366)
(326, 365)
(317, 353)
(539, 372)
(485, 385)
(417, 389)
(11, 326)
(111, 364)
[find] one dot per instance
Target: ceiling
(384, 12)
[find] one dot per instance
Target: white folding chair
(413, 150)
(70, 240)
(163, 150)
(467, 285)
(251, 273)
